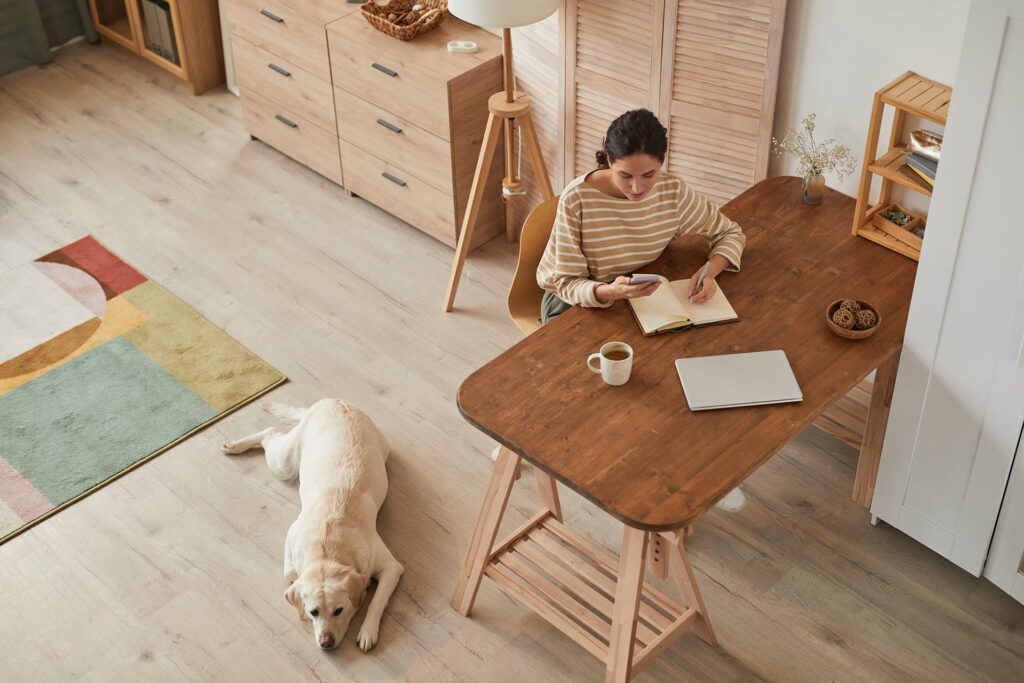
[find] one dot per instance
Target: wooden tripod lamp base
(503, 113)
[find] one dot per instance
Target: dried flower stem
(816, 157)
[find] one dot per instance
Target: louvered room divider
(707, 68)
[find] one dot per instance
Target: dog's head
(328, 594)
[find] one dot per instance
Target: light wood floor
(174, 571)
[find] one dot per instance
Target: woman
(621, 216)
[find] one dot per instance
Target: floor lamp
(506, 107)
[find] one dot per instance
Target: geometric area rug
(102, 369)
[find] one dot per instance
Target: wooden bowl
(852, 334)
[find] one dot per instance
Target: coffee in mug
(614, 362)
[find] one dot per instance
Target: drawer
(293, 135)
(407, 146)
(409, 198)
(282, 31)
(280, 81)
(321, 12)
(394, 75)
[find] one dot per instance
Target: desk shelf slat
(570, 582)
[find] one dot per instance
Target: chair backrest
(524, 295)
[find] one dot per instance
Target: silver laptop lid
(739, 379)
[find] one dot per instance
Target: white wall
(837, 53)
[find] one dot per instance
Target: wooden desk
(638, 453)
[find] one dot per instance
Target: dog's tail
(283, 412)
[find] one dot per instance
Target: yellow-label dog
(332, 549)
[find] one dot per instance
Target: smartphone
(641, 278)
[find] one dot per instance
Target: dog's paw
(368, 635)
(234, 447)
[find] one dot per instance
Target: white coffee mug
(615, 370)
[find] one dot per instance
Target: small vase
(814, 189)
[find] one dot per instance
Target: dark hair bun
(638, 131)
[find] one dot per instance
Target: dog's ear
(356, 585)
(291, 594)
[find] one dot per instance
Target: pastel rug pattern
(100, 370)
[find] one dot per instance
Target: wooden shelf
(197, 36)
(847, 418)
(891, 165)
(570, 582)
(886, 240)
(919, 96)
(909, 94)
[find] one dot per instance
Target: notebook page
(660, 309)
(716, 309)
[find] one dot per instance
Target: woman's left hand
(707, 289)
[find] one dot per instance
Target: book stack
(923, 154)
(923, 167)
(158, 29)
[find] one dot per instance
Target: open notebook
(669, 309)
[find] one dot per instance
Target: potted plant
(815, 158)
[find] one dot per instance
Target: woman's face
(635, 175)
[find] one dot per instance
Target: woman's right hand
(619, 288)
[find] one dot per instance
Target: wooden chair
(524, 295)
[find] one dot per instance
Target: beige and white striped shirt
(597, 237)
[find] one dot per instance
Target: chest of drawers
(397, 123)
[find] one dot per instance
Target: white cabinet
(958, 404)
(1005, 566)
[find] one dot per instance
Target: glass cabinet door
(158, 33)
(112, 17)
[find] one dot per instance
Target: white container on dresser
(398, 123)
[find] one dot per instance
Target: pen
(700, 278)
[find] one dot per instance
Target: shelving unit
(196, 56)
(908, 94)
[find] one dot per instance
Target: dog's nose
(326, 641)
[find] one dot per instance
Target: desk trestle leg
(628, 589)
(600, 601)
(682, 573)
(658, 559)
(547, 491)
(874, 430)
(495, 501)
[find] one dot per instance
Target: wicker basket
(391, 18)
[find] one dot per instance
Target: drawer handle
(286, 121)
(279, 69)
(270, 15)
(384, 69)
(396, 181)
(390, 126)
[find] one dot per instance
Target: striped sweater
(597, 237)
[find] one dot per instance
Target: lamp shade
(502, 13)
